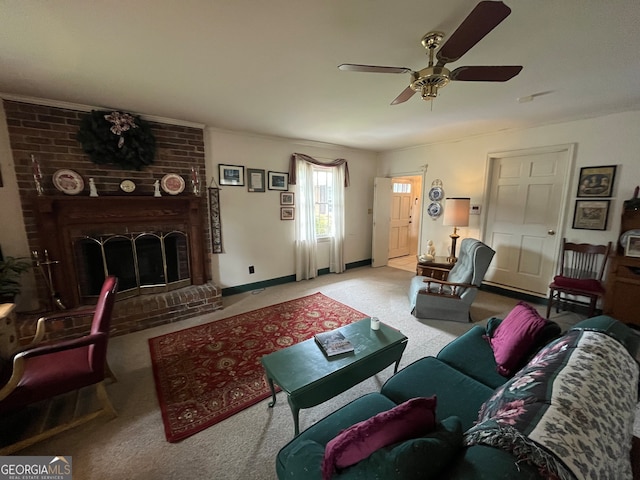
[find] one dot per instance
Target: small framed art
(287, 213)
(231, 175)
(255, 180)
(591, 214)
(596, 181)
(278, 181)
(286, 198)
(632, 248)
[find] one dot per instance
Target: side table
(437, 268)
(623, 289)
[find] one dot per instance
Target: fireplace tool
(48, 278)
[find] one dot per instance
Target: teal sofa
(464, 379)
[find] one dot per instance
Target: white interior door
(527, 195)
(400, 223)
(381, 221)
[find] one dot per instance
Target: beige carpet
(245, 445)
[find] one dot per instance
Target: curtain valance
(301, 156)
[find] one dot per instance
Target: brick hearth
(133, 314)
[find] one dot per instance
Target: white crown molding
(289, 140)
(87, 108)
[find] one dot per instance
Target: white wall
(252, 231)
(462, 167)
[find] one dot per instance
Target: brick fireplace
(55, 221)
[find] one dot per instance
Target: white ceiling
(270, 67)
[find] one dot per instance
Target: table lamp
(456, 214)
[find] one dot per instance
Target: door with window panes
(400, 225)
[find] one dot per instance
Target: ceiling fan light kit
(482, 19)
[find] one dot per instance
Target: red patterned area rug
(207, 373)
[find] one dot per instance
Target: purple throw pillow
(410, 419)
(514, 338)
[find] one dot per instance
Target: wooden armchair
(580, 271)
(41, 372)
(451, 299)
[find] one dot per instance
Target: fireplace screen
(143, 262)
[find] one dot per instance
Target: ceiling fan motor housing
(428, 80)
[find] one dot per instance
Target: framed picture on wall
(287, 213)
(278, 181)
(591, 214)
(286, 198)
(255, 180)
(632, 249)
(231, 175)
(596, 181)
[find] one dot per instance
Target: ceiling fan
(483, 18)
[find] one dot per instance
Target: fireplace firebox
(152, 244)
(145, 262)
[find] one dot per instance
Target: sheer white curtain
(336, 253)
(306, 263)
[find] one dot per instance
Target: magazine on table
(333, 343)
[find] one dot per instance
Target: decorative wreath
(117, 138)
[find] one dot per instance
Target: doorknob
(551, 232)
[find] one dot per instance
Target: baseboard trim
(577, 307)
(517, 294)
(281, 280)
(248, 287)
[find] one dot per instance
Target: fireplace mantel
(61, 219)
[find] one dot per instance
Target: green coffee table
(310, 378)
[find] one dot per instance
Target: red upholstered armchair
(580, 273)
(41, 371)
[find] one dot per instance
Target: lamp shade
(456, 212)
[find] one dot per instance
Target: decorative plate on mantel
(127, 186)
(68, 181)
(172, 183)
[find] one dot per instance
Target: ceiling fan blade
(406, 94)
(485, 74)
(352, 67)
(482, 19)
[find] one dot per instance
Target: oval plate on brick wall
(172, 183)
(68, 181)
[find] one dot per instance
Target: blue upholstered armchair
(451, 299)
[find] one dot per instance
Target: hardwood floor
(407, 263)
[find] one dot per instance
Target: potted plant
(10, 270)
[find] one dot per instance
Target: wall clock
(127, 186)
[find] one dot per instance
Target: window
(322, 197)
(401, 187)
